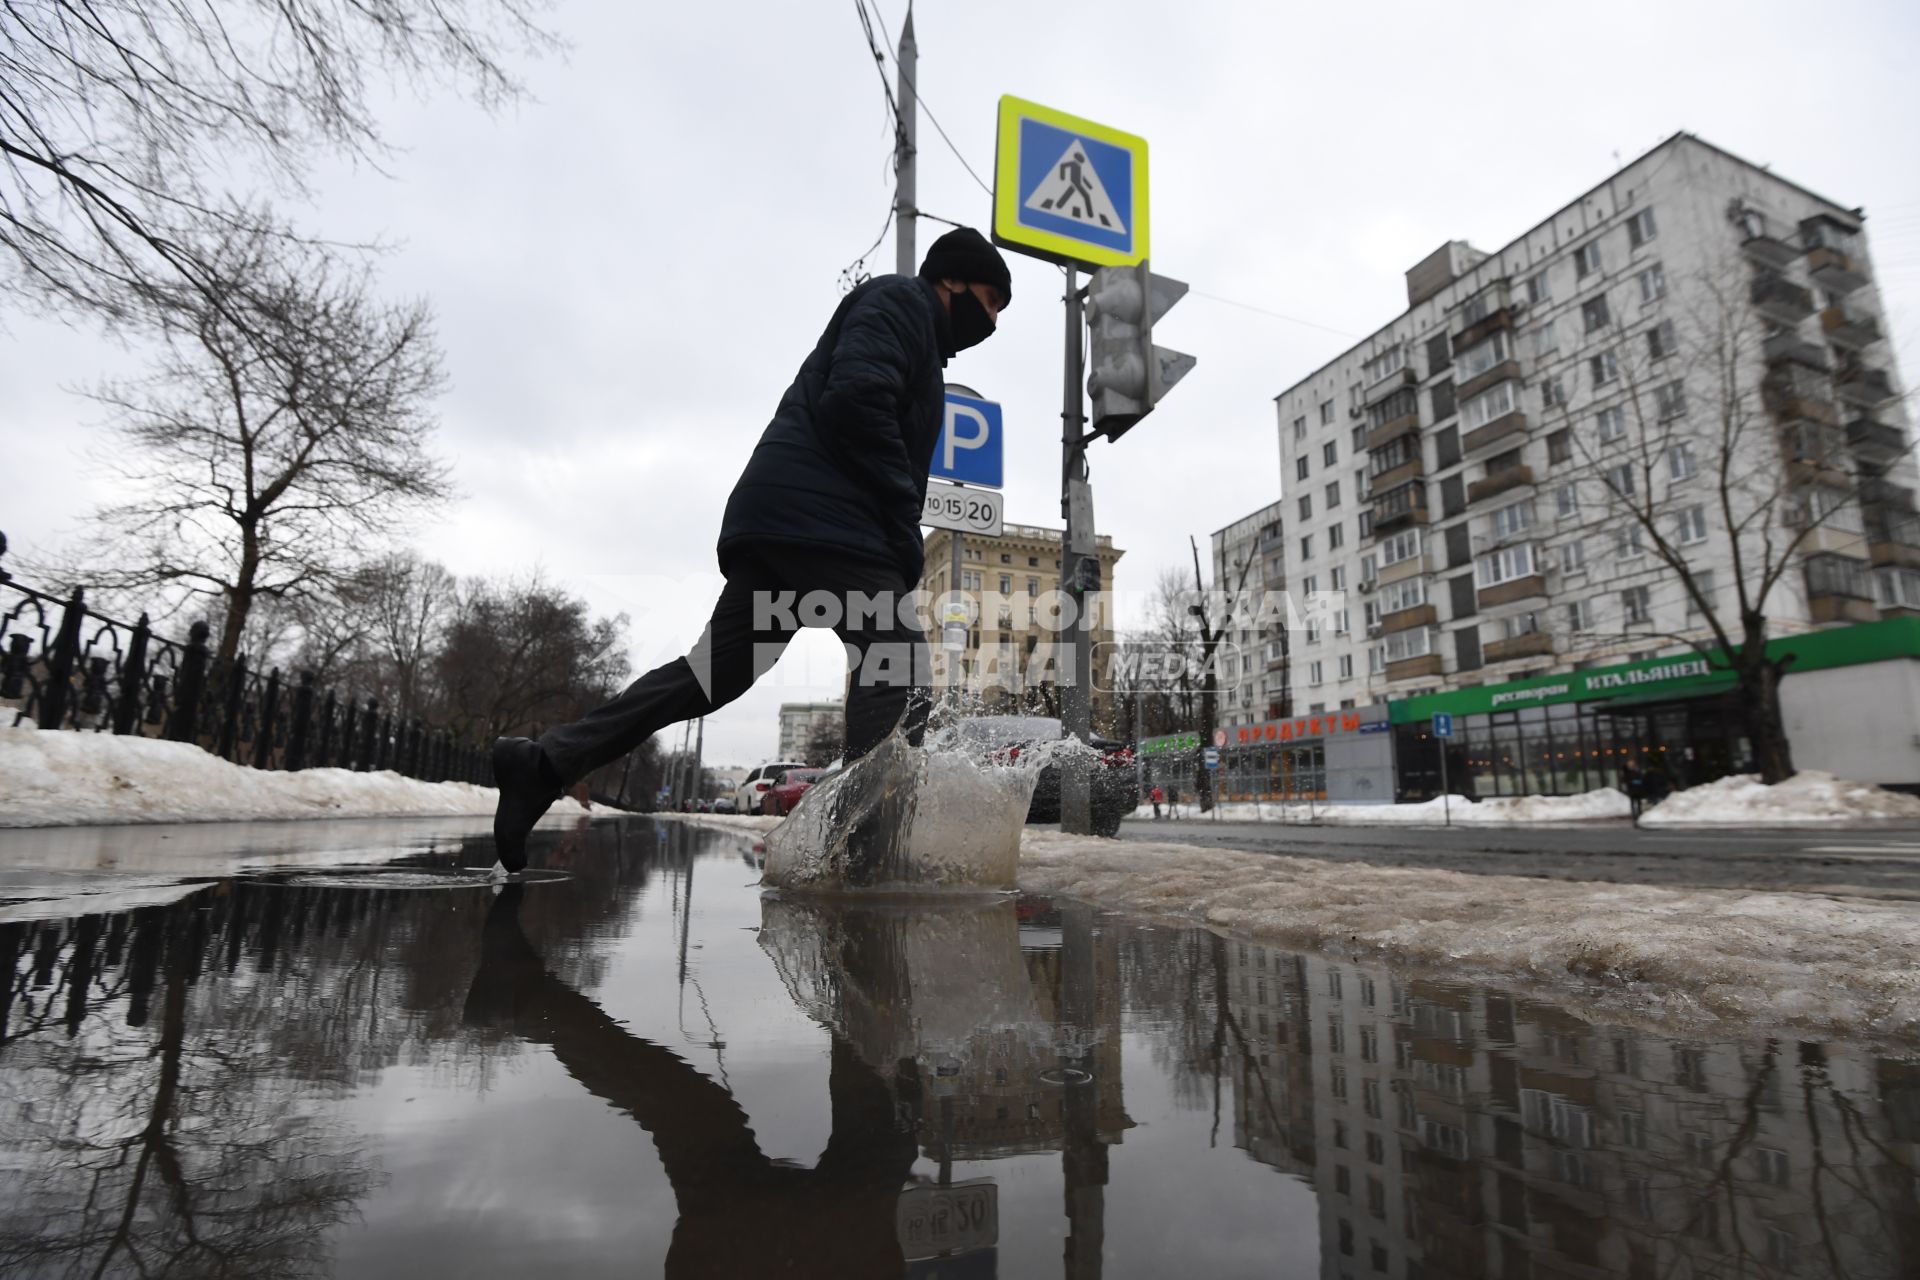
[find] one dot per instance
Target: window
(1329, 453)
(1830, 575)
(1408, 593)
(1680, 461)
(1033, 587)
(1333, 495)
(1560, 447)
(1358, 440)
(1692, 528)
(1520, 624)
(1505, 565)
(1611, 423)
(1496, 401)
(1299, 430)
(1595, 315)
(1395, 453)
(1539, 289)
(1829, 508)
(1546, 340)
(1306, 544)
(1635, 605)
(1386, 363)
(1342, 622)
(1573, 557)
(1326, 412)
(1660, 341)
(1404, 545)
(1368, 572)
(1346, 666)
(1703, 582)
(1566, 501)
(969, 580)
(1314, 669)
(1640, 228)
(1309, 584)
(1377, 660)
(1337, 578)
(1511, 519)
(1626, 542)
(1553, 393)
(1898, 588)
(1671, 400)
(1586, 259)
(1482, 356)
(1653, 284)
(1301, 465)
(1006, 584)
(1366, 525)
(1580, 616)
(1603, 368)
(1416, 642)
(1336, 536)
(1306, 506)
(1370, 611)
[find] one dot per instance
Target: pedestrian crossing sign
(1068, 190)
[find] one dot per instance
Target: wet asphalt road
(1881, 861)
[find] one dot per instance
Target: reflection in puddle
(646, 1067)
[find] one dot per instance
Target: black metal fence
(64, 666)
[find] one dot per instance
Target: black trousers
(771, 593)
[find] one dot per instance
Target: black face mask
(971, 323)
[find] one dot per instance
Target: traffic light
(1127, 374)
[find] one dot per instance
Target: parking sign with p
(971, 436)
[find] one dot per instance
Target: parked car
(779, 799)
(1116, 788)
(746, 796)
(725, 804)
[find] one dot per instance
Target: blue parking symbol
(1443, 725)
(971, 438)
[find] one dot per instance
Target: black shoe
(525, 794)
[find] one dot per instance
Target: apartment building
(1249, 562)
(1011, 584)
(799, 720)
(1468, 472)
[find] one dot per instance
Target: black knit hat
(964, 254)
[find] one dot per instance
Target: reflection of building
(1011, 586)
(799, 720)
(1462, 1133)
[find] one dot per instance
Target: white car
(746, 796)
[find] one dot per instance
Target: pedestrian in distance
(828, 507)
(1634, 783)
(1158, 796)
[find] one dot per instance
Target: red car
(779, 799)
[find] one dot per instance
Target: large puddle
(642, 1065)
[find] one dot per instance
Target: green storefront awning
(1663, 679)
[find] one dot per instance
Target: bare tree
(522, 655)
(827, 742)
(1717, 393)
(265, 451)
(120, 123)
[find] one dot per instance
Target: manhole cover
(1065, 1075)
(410, 878)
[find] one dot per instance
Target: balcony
(1787, 348)
(1483, 314)
(1516, 589)
(1769, 252)
(1403, 506)
(1850, 327)
(1781, 300)
(1392, 478)
(1887, 499)
(1834, 270)
(1816, 454)
(1793, 391)
(1533, 644)
(1392, 417)
(1864, 385)
(1876, 442)
(1420, 615)
(1893, 539)
(1508, 368)
(1499, 482)
(1838, 590)
(1269, 544)
(1404, 376)
(1427, 664)
(1507, 424)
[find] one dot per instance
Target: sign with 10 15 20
(966, 510)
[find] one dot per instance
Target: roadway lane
(1881, 860)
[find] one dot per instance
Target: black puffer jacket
(843, 464)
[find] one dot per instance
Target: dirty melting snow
(1504, 811)
(1779, 959)
(65, 778)
(1809, 796)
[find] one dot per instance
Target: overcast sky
(629, 266)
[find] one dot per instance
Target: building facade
(1470, 473)
(1249, 564)
(1010, 587)
(799, 720)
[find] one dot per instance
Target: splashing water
(943, 815)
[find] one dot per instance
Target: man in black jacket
(822, 529)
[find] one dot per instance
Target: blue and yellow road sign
(1068, 190)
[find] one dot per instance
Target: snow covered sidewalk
(50, 779)
(1605, 803)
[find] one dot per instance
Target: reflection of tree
(169, 1154)
(741, 1213)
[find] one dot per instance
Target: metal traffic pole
(1076, 502)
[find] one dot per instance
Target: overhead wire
(855, 272)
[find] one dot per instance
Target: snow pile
(1791, 960)
(1805, 797)
(1502, 812)
(67, 778)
